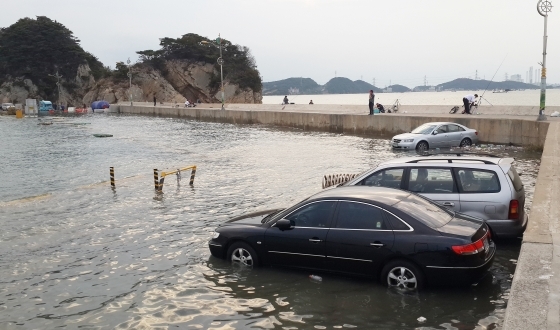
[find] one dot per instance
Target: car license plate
(486, 245)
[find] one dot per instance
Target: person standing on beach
(469, 100)
(285, 101)
(371, 101)
(154, 100)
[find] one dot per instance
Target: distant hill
(341, 85)
(292, 86)
(308, 86)
(399, 88)
(470, 84)
(365, 87)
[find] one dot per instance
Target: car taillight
(513, 213)
(472, 248)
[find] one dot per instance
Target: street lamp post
(218, 43)
(57, 76)
(543, 7)
(129, 74)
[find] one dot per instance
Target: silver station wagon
(484, 187)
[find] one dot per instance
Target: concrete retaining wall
(534, 300)
(516, 131)
(363, 109)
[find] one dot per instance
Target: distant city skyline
(393, 42)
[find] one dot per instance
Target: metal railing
(159, 178)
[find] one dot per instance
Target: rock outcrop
(180, 80)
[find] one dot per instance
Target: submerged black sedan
(401, 238)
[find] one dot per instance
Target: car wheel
(242, 254)
(466, 142)
(402, 275)
(422, 146)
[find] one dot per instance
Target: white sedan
(436, 135)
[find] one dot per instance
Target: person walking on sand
(468, 101)
(371, 101)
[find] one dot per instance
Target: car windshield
(424, 210)
(424, 129)
(269, 217)
(282, 213)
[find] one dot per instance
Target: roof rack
(451, 160)
(458, 153)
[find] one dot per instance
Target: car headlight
(408, 140)
(215, 235)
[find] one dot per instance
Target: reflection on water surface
(77, 254)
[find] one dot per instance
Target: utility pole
(425, 82)
(543, 7)
(221, 45)
(373, 81)
(476, 75)
(129, 74)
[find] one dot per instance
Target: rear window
(425, 211)
(478, 181)
(515, 179)
(396, 223)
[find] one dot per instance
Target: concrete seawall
(498, 130)
(534, 301)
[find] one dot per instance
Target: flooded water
(76, 254)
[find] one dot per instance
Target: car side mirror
(434, 133)
(283, 224)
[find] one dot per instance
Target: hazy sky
(393, 41)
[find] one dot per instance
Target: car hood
(251, 219)
(407, 136)
(465, 226)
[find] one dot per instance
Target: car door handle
(448, 204)
(377, 245)
(313, 240)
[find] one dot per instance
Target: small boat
(103, 135)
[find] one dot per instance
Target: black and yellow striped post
(156, 179)
(112, 175)
(193, 172)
